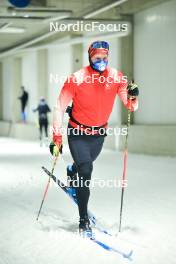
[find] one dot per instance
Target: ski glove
(54, 149)
(133, 90)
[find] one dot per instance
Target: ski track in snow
(149, 213)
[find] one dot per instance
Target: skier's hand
(54, 149)
(133, 91)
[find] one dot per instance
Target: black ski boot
(84, 227)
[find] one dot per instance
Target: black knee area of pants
(85, 171)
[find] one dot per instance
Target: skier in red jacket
(92, 91)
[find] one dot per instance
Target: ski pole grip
(54, 163)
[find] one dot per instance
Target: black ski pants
(84, 150)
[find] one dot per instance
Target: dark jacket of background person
(42, 109)
(24, 99)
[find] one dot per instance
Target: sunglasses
(100, 44)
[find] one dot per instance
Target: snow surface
(149, 215)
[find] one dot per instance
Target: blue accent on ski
(88, 234)
(111, 249)
(70, 191)
(91, 236)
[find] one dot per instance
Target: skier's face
(99, 62)
(98, 57)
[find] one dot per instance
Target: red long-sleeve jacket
(93, 96)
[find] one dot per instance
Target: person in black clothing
(24, 100)
(43, 109)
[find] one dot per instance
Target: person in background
(24, 100)
(43, 109)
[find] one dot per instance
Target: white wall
(11, 106)
(29, 80)
(60, 63)
(7, 82)
(155, 63)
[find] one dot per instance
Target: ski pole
(47, 186)
(124, 168)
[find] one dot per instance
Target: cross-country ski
(71, 193)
